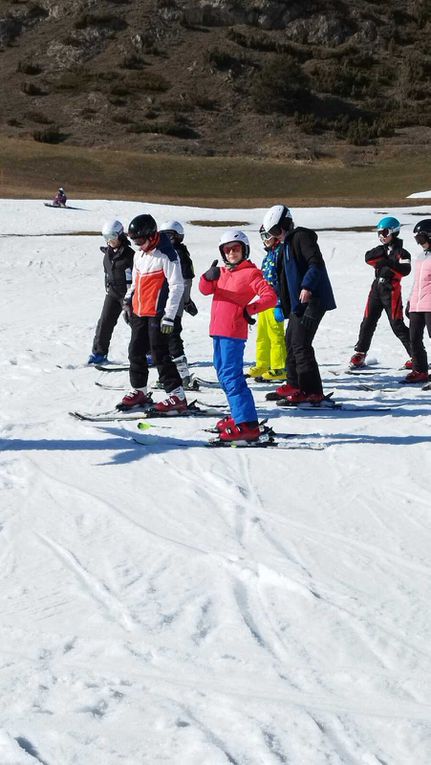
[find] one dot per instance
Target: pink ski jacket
(233, 291)
(420, 297)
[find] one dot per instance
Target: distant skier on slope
(117, 263)
(60, 198)
(235, 287)
(390, 262)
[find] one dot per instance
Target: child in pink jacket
(235, 287)
(418, 308)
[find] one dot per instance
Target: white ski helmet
(112, 229)
(175, 227)
(276, 219)
(234, 235)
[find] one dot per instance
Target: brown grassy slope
(33, 170)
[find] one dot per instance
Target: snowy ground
(175, 604)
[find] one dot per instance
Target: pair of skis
(194, 409)
(267, 439)
(326, 403)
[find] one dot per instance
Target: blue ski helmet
(388, 225)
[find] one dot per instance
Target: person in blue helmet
(390, 262)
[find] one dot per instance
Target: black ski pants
(111, 310)
(418, 321)
(383, 297)
(176, 345)
(301, 365)
(147, 338)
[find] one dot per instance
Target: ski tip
(144, 425)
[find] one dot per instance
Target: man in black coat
(305, 294)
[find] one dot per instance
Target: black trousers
(383, 297)
(176, 345)
(111, 310)
(147, 338)
(418, 321)
(301, 365)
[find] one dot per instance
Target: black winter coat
(300, 265)
(187, 269)
(118, 265)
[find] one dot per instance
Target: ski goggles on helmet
(140, 240)
(384, 232)
(276, 231)
(422, 238)
(265, 236)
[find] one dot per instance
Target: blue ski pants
(228, 362)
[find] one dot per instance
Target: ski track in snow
(175, 604)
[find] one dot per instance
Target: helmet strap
(151, 242)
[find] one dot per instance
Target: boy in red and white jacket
(239, 291)
(150, 306)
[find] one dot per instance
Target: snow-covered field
(180, 605)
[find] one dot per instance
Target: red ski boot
(357, 360)
(416, 377)
(225, 422)
(176, 402)
(286, 390)
(244, 431)
(135, 397)
(300, 397)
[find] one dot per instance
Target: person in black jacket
(390, 262)
(305, 296)
(175, 232)
(117, 263)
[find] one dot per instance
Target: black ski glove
(190, 307)
(249, 319)
(166, 326)
(127, 310)
(312, 315)
(213, 272)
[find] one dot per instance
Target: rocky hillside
(290, 79)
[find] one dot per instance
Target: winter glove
(278, 313)
(166, 326)
(127, 310)
(249, 319)
(213, 272)
(407, 311)
(190, 307)
(311, 316)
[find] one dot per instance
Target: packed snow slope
(169, 603)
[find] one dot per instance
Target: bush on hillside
(281, 86)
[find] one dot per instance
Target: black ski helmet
(142, 227)
(423, 227)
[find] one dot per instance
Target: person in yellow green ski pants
(270, 340)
